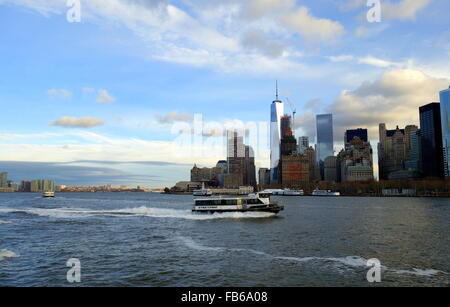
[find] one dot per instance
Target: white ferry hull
(224, 209)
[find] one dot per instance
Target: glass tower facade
(445, 122)
(276, 112)
(324, 123)
(431, 140)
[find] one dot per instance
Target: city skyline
(65, 121)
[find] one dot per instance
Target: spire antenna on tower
(276, 89)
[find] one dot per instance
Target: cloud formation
(105, 97)
(393, 99)
(59, 93)
(72, 122)
(173, 117)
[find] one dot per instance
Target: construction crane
(294, 111)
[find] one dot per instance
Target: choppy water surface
(140, 239)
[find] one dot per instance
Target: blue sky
(110, 88)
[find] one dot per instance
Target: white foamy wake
(139, 211)
(4, 253)
(347, 262)
(4, 222)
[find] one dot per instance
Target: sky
(140, 90)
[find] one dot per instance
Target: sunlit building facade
(276, 112)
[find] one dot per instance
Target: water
(141, 239)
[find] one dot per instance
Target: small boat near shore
(48, 194)
(203, 191)
(259, 202)
(325, 193)
(284, 192)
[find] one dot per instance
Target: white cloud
(210, 33)
(72, 122)
(173, 117)
(59, 93)
(403, 10)
(393, 99)
(312, 28)
(368, 60)
(105, 97)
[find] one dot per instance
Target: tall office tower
(445, 122)
(303, 143)
(4, 180)
(415, 159)
(235, 152)
(360, 133)
(324, 147)
(288, 141)
(431, 138)
(276, 112)
(240, 162)
(249, 167)
(394, 149)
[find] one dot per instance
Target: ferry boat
(259, 202)
(285, 192)
(325, 193)
(48, 194)
(202, 191)
(288, 192)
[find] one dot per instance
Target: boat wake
(4, 222)
(338, 263)
(139, 211)
(4, 254)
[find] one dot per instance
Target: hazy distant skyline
(108, 89)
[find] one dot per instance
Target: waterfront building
(25, 186)
(44, 185)
(276, 112)
(393, 149)
(445, 122)
(303, 144)
(431, 139)
(324, 147)
(356, 161)
(294, 170)
(4, 180)
(314, 171)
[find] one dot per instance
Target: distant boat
(202, 191)
(48, 194)
(325, 193)
(288, 192)
(285, 192)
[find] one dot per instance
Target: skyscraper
(431, 139)
(3, 180)
(324, 123)
(276, 112)
(445, 122)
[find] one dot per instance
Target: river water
(143, 239)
